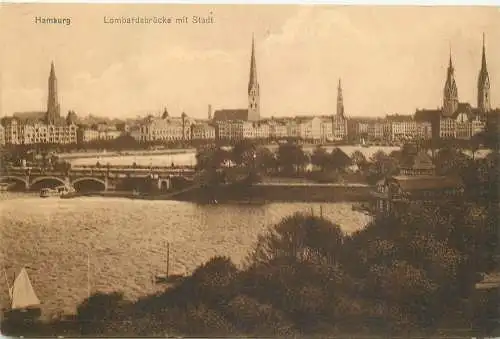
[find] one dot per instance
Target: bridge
(106, 177)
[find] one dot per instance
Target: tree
(358, 158)
(381, 166)
(211, 281)
(291, 158)
(299, 238)
(338, 160)
(474, 144)
(243, 153)
(99, 311)
(266, 160)
(211, 157)
(450, 160)
(319, 158)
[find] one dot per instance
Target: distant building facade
(2, 135)
(455, 119)
(42, 127)
(404, 128)
(202, 131)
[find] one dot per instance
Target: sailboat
(22, 296)
(167, 277)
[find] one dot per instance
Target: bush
(253, 318)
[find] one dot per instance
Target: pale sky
(390, 59)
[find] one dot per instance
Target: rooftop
(490, 281)
(231, 114)
(427, 182)
(418, 160)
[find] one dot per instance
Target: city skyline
(102, 73)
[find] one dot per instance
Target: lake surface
(125, 241)
(189, 159)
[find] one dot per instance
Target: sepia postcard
(249, 170)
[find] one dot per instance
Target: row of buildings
(454, 119)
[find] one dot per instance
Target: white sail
(22, 293)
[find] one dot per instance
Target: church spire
(53, 111)
(340, 100)
(253, 88)
(450, 97)
(52, 70)
(253, 68)
(483, 84)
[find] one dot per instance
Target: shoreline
(110, 154)
(257, 194)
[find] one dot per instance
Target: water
(189, 159)
(126, 240)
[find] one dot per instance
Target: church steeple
(53, 110)
(450, 97)
(340, 100)
(483, 84)
(253, 88)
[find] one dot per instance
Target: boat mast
(168, 257)
(7, 281)
(88, 272)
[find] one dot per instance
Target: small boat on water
(23, 300)
(168, 278)
(59, 191)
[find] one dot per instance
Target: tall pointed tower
(253, 89)
(450, 98)
(340, 101)
(53, 110)
(483, 85)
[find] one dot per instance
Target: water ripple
(126, 240)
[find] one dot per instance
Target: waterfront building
(235, 130)
(2, 135)
(42, 127)
(455, 119)
(260, 130)
(306, 128)
(252, 112)
(377, 130)
(416, 183)
(202, 131)
(165, 128)
(277, 129)
(87, 134)
(404, 128)
(11, 130)
(353, 133)
(327, 129)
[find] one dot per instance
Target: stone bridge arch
(40, 179)
(13, 177)
(101, 181)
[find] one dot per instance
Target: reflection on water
(126, 240)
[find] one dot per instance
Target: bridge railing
(111, 171)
